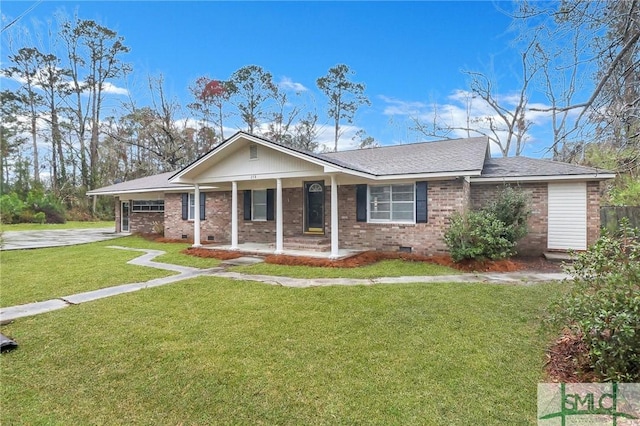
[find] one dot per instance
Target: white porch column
(279, 220)
(196, 215)
(234, 215)
(334, 219)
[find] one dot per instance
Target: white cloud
(112, 89)
(107, 87)
(287, 84)
(400, 107)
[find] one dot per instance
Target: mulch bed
(568, 361)
(371, 257)
(212, 253)
(538, 264)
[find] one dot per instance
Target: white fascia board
(586, 177)
(145, 190)
(429, 176)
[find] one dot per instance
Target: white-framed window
(253, 152)
(259, 204)
(392, 203)
(140, 206)
(192, 206)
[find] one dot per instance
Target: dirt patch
(568, 361)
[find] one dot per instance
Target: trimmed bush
(492, 232)
(602, 307)
(511, 208)
(478, 235)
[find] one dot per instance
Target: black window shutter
(361, 203)
(203, 199)
(271, 194)
(185, 206)
(247, 205)
(421, 202)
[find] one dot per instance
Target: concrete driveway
(18, 240)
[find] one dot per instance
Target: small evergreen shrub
(478, 235)
(602, 306)
(39, 218)
(492, 232)
(511, 207)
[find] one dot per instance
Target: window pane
(402, 196)
(403, 216)
(380, 215)
(380, 193)
(380, 207)
(192, 206)
(260, 212)
(260, 196)
(403, 188)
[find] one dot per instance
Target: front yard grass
(215, 351)
(35, 275)
(67, 225)
(385, 268)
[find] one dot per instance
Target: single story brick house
(252, 190)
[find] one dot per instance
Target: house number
(253, 176)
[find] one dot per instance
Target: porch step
(309, 243)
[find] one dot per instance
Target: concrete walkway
(184, 272)
(20, 240)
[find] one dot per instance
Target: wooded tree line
(61, 102)
(67, 80)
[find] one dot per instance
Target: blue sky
(409, 54)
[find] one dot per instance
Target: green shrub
(511, 207)
(48, 204)
(39, 217)
(492, 232)
(11, 207)
(477, 235)
(602, 307)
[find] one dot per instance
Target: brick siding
(443, 198)
(535, 242)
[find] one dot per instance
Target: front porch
(265, 249)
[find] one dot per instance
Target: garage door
(567, 216)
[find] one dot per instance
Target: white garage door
(567, 216)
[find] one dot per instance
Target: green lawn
(385, 268)
(67, 225)
(34, 275)
(215, 351)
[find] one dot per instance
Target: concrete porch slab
(269, 249)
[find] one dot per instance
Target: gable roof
(440, 158)
(457, 157)
(448, 156)
(524, 168)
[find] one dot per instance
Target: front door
(124, 217)
(314, 207)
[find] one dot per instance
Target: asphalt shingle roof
(148, 183)
(523, 167)
(455, 155)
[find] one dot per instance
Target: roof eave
(542, 178)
